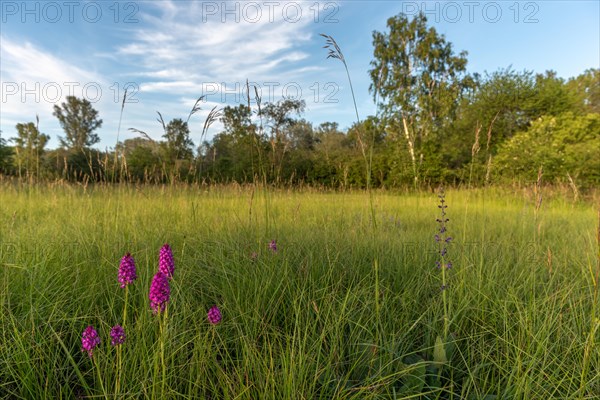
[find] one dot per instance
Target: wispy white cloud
(24, 62)
(33, 80)
(175, 53)
(191, 42)
(170, 87)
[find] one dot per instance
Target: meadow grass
(344, 309)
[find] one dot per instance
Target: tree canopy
(434, 123)
(79, 120)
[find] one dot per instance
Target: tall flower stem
(99, 377)
(125, 307)
(119, 350)
(162, 323)
(445, 302)
(443, 264)
(118, 379)
(162, 318)
(161, 356)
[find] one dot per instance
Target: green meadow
(350, 306)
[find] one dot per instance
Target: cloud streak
(33, 80)
(191, 42)
(178, 51)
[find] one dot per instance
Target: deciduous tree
(29, 147)
(79, 120)
(417, 79)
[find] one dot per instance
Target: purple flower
(159, 292)
(441, 236)
(166, 265)
(273, 246)
(127, 270)
(117, 335)
(214, 315)
(89, 340)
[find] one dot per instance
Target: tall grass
(311, 320)
(335, 52)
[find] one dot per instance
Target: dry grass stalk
(195, 108)
(489, 133)
(538, 191)
(476, 147)
(573, 187)
(488, 170)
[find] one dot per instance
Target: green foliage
(177, 145)
(79, 120)
(498, 108)
(552, 96)
(563, 144)
(504, 103)
(87, 165)
(278, 117)
(419, 81)
(301, 136)
(6, 154)
(142, 157)
(416, 73)
(312, 321)
(29, 148)
(229, 158)
(434, 124)
(237, 121)
(236, 153)
(372, 130)
(587, 89)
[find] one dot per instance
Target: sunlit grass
(312, 320)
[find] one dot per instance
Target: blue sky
(171, 52)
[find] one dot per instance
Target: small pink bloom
(273, 246)
(166, 264)
(127, 273)
(214, 315)
(89, 340)
(160, 292)
(117, 335)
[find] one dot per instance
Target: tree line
(435, 122)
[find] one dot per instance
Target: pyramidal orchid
(273, 246)
(160, 292)
(89, 340)
(214, 315)
(166, 264)
(117, 335)
(127, 272)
